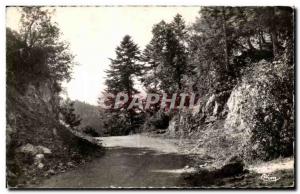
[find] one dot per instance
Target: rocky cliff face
(256, 121)
(32, 124)
(260, 109)
(38, 144)
(29, 113)
(32, 114)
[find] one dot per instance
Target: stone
(202, 165)
(43, 150)
(11, 174)
(216, 108)
(51, 172)
(40, 156)
(28, 149)
(54, 130)
(186, 167)
(210, 119)
(70, 164)
(38, 159)
(196, 109)
(172, 128)
(41, 165)
(209, 102)
(34, 150)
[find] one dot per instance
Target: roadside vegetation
(40, 140)
(239, 61)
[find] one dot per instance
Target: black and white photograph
(150, 97)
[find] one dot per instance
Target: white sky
(95, 32)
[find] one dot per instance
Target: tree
(210, 50)
(278, 23)
(14, 44)
(120, 76)
(120, 79)
(165, 57)
(226, 40)
(36, 53)
(68, 113)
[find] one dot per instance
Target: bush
(68, 113)
(261, 108)
(268, 135)
(91, 131)
(116, 124)
(77, 144)
(160, 120)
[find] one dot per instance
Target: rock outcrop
(254, 120)
(259, 109)
(35, 135)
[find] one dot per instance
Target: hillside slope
(91, 116)
(38, 144)
(256, 122)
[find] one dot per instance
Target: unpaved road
(130, 161)
(140, 141)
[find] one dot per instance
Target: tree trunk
(260, 39)
(130, 98)
(226, 53)
(250, 44)
(274, 36)
(274, 43)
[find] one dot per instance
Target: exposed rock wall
(260, 109)
(33, 114)
(254, 120)
(36, 141)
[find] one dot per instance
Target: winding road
(134, 161)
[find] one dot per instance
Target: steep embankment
(38, 145)
(261, 111)
(255, 122)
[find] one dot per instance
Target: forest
(237, 62)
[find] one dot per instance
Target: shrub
(91, 131)
(261, 108)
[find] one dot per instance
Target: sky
(95, 32)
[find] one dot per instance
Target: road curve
(134, 161)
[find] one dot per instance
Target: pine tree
(120, 79)
(211, 49)
(149, 70)
(165, 56)
(120, 76)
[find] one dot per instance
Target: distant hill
(91, 115)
